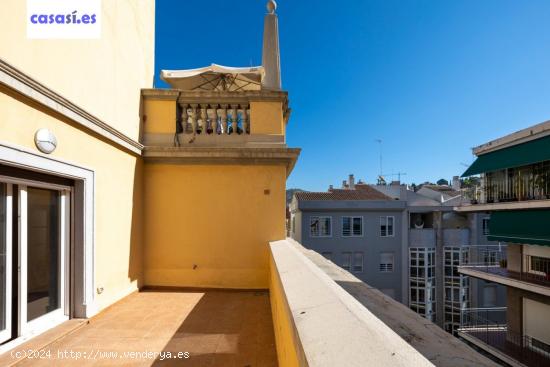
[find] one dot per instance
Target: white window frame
(385, 267)
(384, 221)
(362, 261)
(351, 234)
(319, 217)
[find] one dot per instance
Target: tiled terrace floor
(217, 328)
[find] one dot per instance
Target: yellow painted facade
(267, 117)
(160, 116)
(157, 222)
(104, 76)
(285, 332)
(210, 225)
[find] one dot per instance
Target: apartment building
(407, 244)
(514, 172)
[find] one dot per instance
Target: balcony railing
(214, 118)
(487, 327)
(492, 260)
(530, 182)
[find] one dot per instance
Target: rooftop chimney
(344, 184)
(270, 53)
(456, 183)
(330, 188)
(351, 182)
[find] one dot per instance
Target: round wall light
(45, 141)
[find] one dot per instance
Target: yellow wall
(118, 192)
(216, 217)
(103, 76)
(160, 116)
(266, 118)
(283, 326)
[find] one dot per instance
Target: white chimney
(456, 183)
(351, 182)
(270, 53)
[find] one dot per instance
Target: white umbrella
(215, 78)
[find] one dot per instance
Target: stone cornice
(212, 155)
(26, 86)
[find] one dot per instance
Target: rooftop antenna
(398, 174)
(379, 141)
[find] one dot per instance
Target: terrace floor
(216, 328)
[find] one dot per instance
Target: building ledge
(481, 273)
(338, 320)
(434, 343)
(227, 155)
(204, 96)
(516, 205)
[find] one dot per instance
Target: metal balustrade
(488, 326)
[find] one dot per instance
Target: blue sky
(430, 78)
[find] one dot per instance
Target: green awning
(520, 226)
(517, 155)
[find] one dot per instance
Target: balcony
(512, 188)
(492, 265)
(424, 237)
(314, 314)
(198, 118)
(486, 328)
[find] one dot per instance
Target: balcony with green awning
(520, 226)
(528, 153)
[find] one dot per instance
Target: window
(358, 262)
(352, 226)
(489, 257)
(320, 226)
(346, 260)
(485, 226)
(422, 281)
(386, 226)
(327, 255)
(386, 262)
(538, 265)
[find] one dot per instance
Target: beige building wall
(118, 191)
(103, 76)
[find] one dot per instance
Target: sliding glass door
(43, 236)
(34, 253)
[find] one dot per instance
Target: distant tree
(442, 182)
(413, 187)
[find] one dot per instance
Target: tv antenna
(379, 141)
